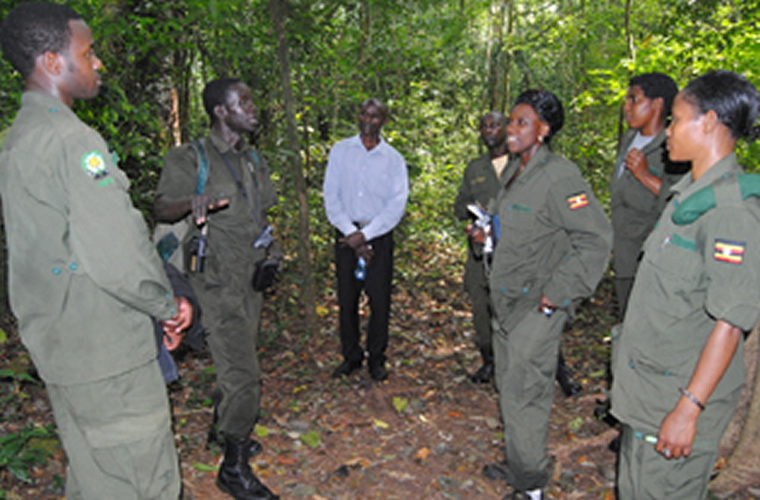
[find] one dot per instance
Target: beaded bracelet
(692, 397)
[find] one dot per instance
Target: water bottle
(361, 269)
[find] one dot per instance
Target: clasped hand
(174, 328)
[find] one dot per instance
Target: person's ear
(220, 111)
(659, 106)
(50, 63)
(544, 130)
(710, 121)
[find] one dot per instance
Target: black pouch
(265, 273)
(196, 254)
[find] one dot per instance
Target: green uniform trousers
(476, 284)
(644, 474)
(118, 438)
(231, 315)
(526, 364)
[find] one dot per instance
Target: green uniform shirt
(84, 277)
(689, 277)
(555, 238)
(479, 185)
(233, 229)
(634, 208)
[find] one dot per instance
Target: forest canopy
(440, 64)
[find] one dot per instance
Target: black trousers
(377, 286)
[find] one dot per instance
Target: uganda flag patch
(578, 200)
(731, 252)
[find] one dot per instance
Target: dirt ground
(425, 433)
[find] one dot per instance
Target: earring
(541, 139)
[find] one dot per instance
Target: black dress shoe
(346, 368)
(378, 372)
(483, 375)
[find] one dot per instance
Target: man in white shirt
(365, 193)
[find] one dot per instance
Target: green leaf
(200, 466)
(312, 439)
(380, 424)
(575, 424)
(400, 403)
(261, 431)
(3, 336)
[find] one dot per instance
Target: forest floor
(425, 433)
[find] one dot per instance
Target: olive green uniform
(231, 308)
(479, 185)
(84, 281)
(635, 209)
(692, 274)
(555, 241)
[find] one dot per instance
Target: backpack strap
(730, 190)
(200, 152)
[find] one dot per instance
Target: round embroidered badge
(95, 165)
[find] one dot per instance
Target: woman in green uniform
(554, 246)
(678, 364)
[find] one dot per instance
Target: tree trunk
(304, 247)
(741, 442)
(506, 96)
(496, 68)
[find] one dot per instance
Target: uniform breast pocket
(516, 222)
(676, 269)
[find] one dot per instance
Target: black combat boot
(215, 438)
(485, 372)
(565, 378)
(235, 476)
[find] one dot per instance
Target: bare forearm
(651, 182)
(679, 427)
(171, 210)
(714, 361)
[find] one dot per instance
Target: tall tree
(309, 295)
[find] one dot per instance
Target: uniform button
(503, 290)
(56, 271)
(630, 363)
(525, 290)
(53, 110)
(73, 266)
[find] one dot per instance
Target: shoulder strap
(730, 190)
(255, 157)
(200, 151)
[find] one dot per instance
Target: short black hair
(376, 102)
(547, 106)
(215, 94)
(497, 116)
(657, 85)
(33, 28)
(733, 98)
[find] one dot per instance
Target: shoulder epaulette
(705, 199)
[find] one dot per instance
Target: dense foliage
(440, 64)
